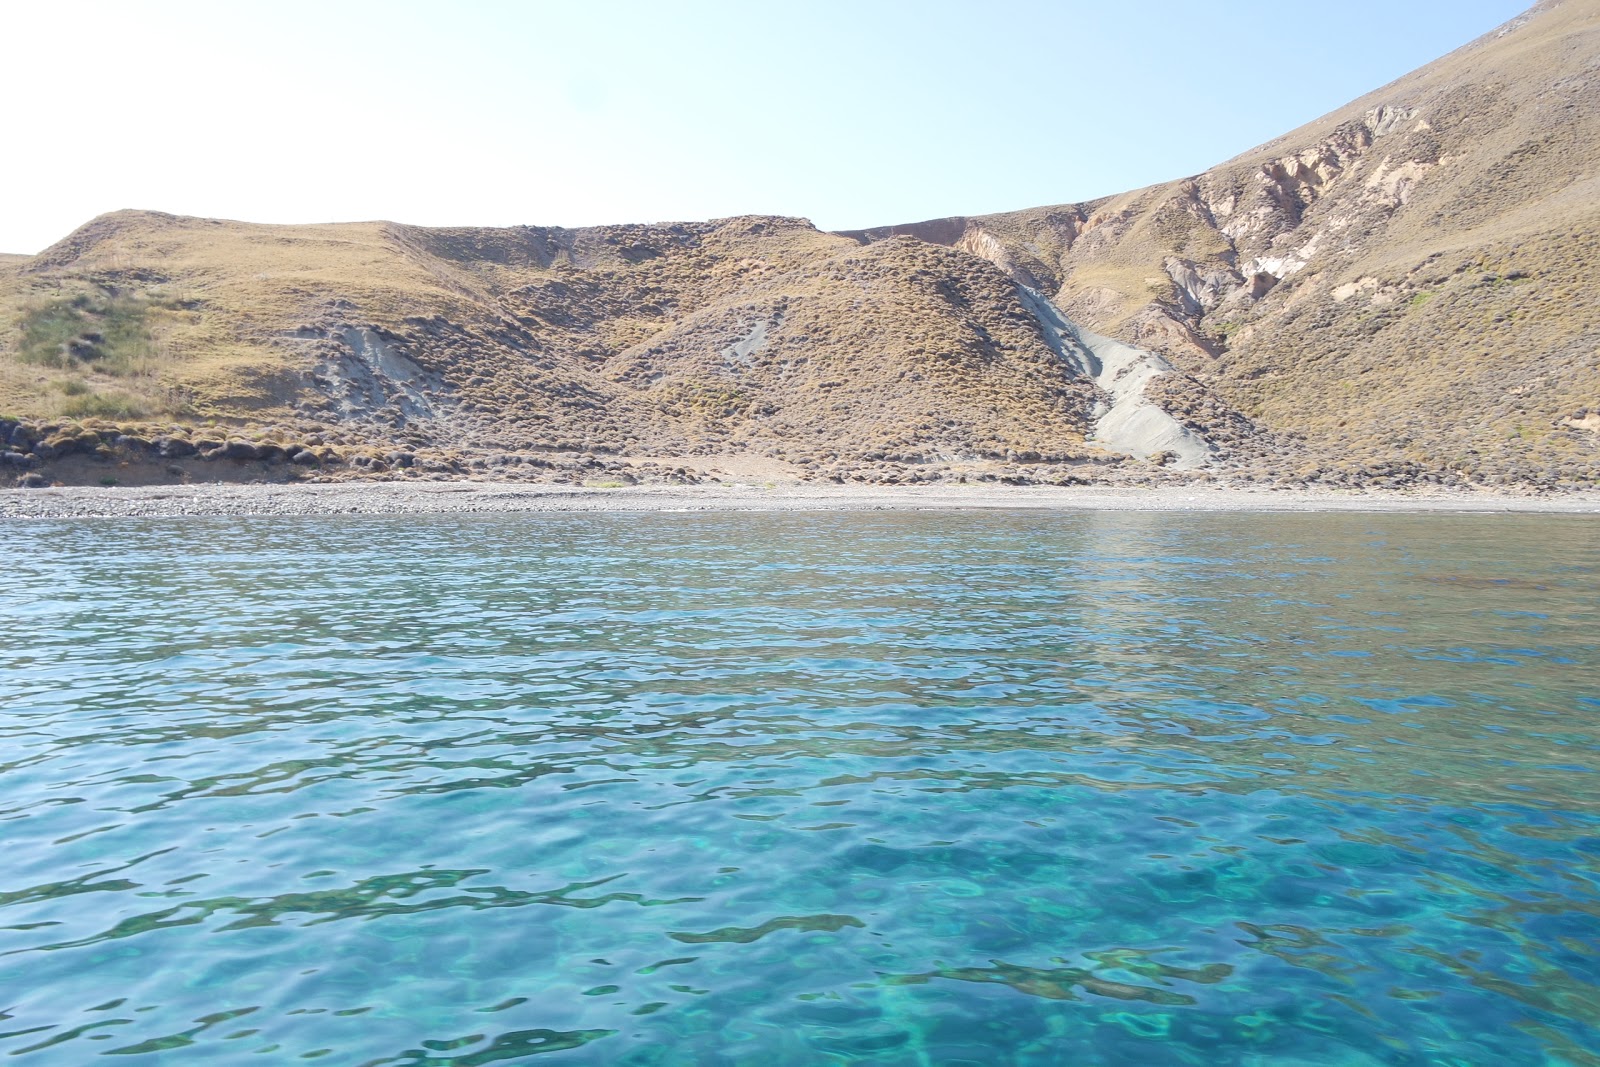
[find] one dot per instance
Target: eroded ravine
(1125, 421)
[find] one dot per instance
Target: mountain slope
(1408, 280)
(1402, 290)
(740, 335)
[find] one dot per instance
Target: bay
(884, 788)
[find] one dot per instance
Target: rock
(240, 450)
(305, 458)
(16, 459)
(173, 447)
(32, 481)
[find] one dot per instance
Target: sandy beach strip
(417, 498)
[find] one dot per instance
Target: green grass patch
(88, 330)
(112, 404)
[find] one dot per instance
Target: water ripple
(652, 789)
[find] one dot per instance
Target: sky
(851, 114)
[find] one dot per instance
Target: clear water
(1105, 788)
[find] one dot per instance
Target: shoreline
(467, 497)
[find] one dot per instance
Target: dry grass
(1446, 228)
(611, 339)
(1437, 244)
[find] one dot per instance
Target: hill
(1401, 291)
(1406, 284)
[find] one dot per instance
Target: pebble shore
(417, 498)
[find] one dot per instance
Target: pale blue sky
(850, 114)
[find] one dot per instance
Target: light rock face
(1134, 423)
(1126, 420)
(365, 377)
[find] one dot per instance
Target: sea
(889, 788)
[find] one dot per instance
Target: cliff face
(1401, 290)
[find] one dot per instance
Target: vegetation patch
(98, 331)
(111, 404)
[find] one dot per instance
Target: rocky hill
(1401, 291)
(1404, 286)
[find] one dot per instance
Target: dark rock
(16, 459)
(304, 458)
(173, 447)
(32, 481)
(240, 450)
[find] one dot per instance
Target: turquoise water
(1102, 788)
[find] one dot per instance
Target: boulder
(173, 447)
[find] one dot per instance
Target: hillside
(1400, 291)
(1408, 282)
(735, 337)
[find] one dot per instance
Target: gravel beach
(407, 498)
